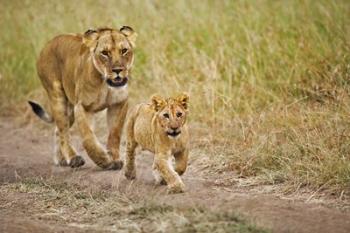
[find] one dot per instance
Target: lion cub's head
(112, 52)
(171, 113)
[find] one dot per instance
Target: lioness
(160, 127)
(84, 74)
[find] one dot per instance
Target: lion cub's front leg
(92, 146)
(162, 164)
(181, 159)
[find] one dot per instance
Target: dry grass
(54, 201)
(269, 80)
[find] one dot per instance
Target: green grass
(269, 80)
(62, 203)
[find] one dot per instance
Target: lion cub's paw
(176, 188)
(76, 161)
(159, 180)
(116, 165)
(130, 174)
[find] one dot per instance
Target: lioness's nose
(118, 70)
(174, 128)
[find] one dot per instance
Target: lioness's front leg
(130, 167)
(115, 119)
(163, 166)
(90, 142)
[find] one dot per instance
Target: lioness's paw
(76, 161)
(63, 163)
(116, 165)
(130, 174)
(162, 182)
(176, 188)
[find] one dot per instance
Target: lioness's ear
(90, 38)
(183, 99)
(129, 33)
(157, 102)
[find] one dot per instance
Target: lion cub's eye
(179, 114)
(105, 53)
(124, 51)
(166, 115)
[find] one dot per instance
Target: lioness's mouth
(174, 133)
(117, 82)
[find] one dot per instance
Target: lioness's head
(112, 53)
(171, 113)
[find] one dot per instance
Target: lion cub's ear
(157, 102)
(90, 38)
(129, 33)
(183, 99)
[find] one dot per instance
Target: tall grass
(269, 80)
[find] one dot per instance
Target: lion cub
(160, 127)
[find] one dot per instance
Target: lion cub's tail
(40, 112)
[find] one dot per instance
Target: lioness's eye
(105, 53)
(166, 115)
(179, 114)
(124, 51)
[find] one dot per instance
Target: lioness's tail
(40, 112)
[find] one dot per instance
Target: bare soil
(36, 196)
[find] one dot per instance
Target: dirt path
(29, 206)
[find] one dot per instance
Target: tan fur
(160, 127)
(75, 70)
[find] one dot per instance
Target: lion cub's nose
(174, 128)
(117, 71)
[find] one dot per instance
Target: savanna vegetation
(269, 80)
(114, 212)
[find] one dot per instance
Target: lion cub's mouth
(174, 133)
(117, 82)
